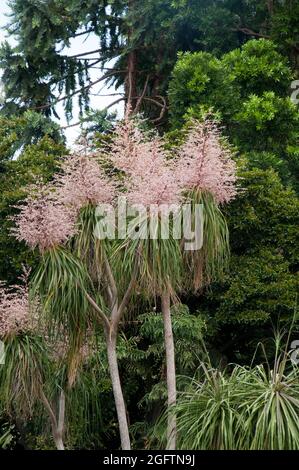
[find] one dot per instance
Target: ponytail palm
(74, 280)
(241, 408)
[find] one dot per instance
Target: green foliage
(154, 31)
(19, 131)
(60, 281)
(284, 28)
(259, 288)
(265, 214)
(253, 408)
(271, 119)
(261, 285)
(204, 266)
(22, 375)
(7, 437)
(187, 329)
(248, 91)
(258, 67)
(200, 82)
(219, 66)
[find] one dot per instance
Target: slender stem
(170, 370)
(117, 392)
(110, 277)
(60, 427)
(49, 410)
(82, 54)
(61, 414)
(140, 99)
(57, 427)
(118, 313)
(102, 315)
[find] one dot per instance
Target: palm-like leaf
(208, 263)
(160, 261)
(23, 374)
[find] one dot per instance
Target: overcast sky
(78, 45)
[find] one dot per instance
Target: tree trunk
(131, 82)
(57, 425)
(117, 391)
(58, 441)
(131, 79)
(170, 371)
(58, 432)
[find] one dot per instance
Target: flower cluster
(149, 171)
(47, 217)
(44, 221)
(151, 178)
(205, 163)
(82, 182)
(16, 313)
(128, 144)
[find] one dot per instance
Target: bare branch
(117, 313)
(161, 105)
(98, 310)
(83, 32)
(140, 99)
(104, 109)
(49, 409)
(84, 54)
(249, 32)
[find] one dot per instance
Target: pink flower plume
(82, 182)
(43, 221)
(16, 313)
(205, 163)
(149, 175)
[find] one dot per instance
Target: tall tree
(138, 44)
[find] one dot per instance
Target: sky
(78, 45)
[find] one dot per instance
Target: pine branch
(104, 109)
(85, 53)
(87, 87)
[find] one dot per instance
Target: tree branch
(84, 53)
(140, 99)
(104, 109)
(49, 409)
(50, 105)
(83, 32)
(117, 314)
(98, 310)
(249, 32)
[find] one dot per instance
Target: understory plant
(243, 408)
